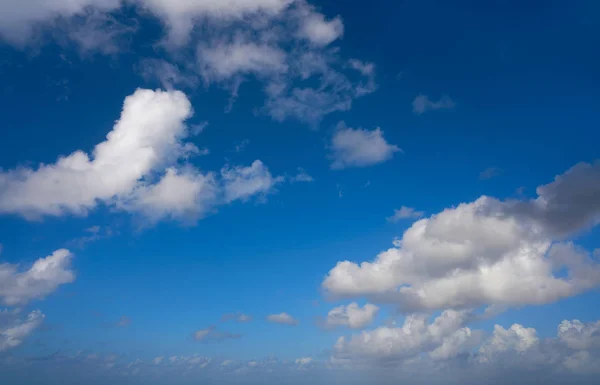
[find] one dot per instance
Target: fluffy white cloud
(244, 182)
(422, 104)
(359, 148)
(352, 316)
(44, 276)
(136, 169)
(578, 335)
(179, 194)
(481, 253)
(405, 213)
(516, 339)
(148, 135)
(445, 337)
(13, 330)
(319, 31)
(282, 318)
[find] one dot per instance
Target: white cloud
(352, 316)
(444, 338)
(283, 43)
(422, 104)
(244, 182)
(180, 194)
(148, 135)
(14, 331)
(43, 278)
(359, 148)
(516, 339)
(319, 31)
(224, 60)
(405, 213)
(578, 335)
(282, 318)
(480, 253)
(136, 169)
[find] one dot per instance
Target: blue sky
(165, 164)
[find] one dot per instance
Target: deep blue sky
(522, 76)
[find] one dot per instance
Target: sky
(299, 192)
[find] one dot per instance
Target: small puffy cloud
(422, 104)
(43, 278)
(487, 252)
(319, 31)
(359, 148)
(352, 316)
(211, 334)
(13, 330)
(245, 182)
(405, 213)
(282, 318)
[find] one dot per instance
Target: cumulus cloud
(13, 330)
(352, 316)
(359, 148)
(148, 134)
(211, 334)
(405, 213)
(567, 205)
(422, 104)
(447, 341)
(484, 253)
(445, 337)
(43, 278)
(138, 168)
(282, 318)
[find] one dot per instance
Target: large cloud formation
(286, 44)
(141, 167)
(487, 252)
